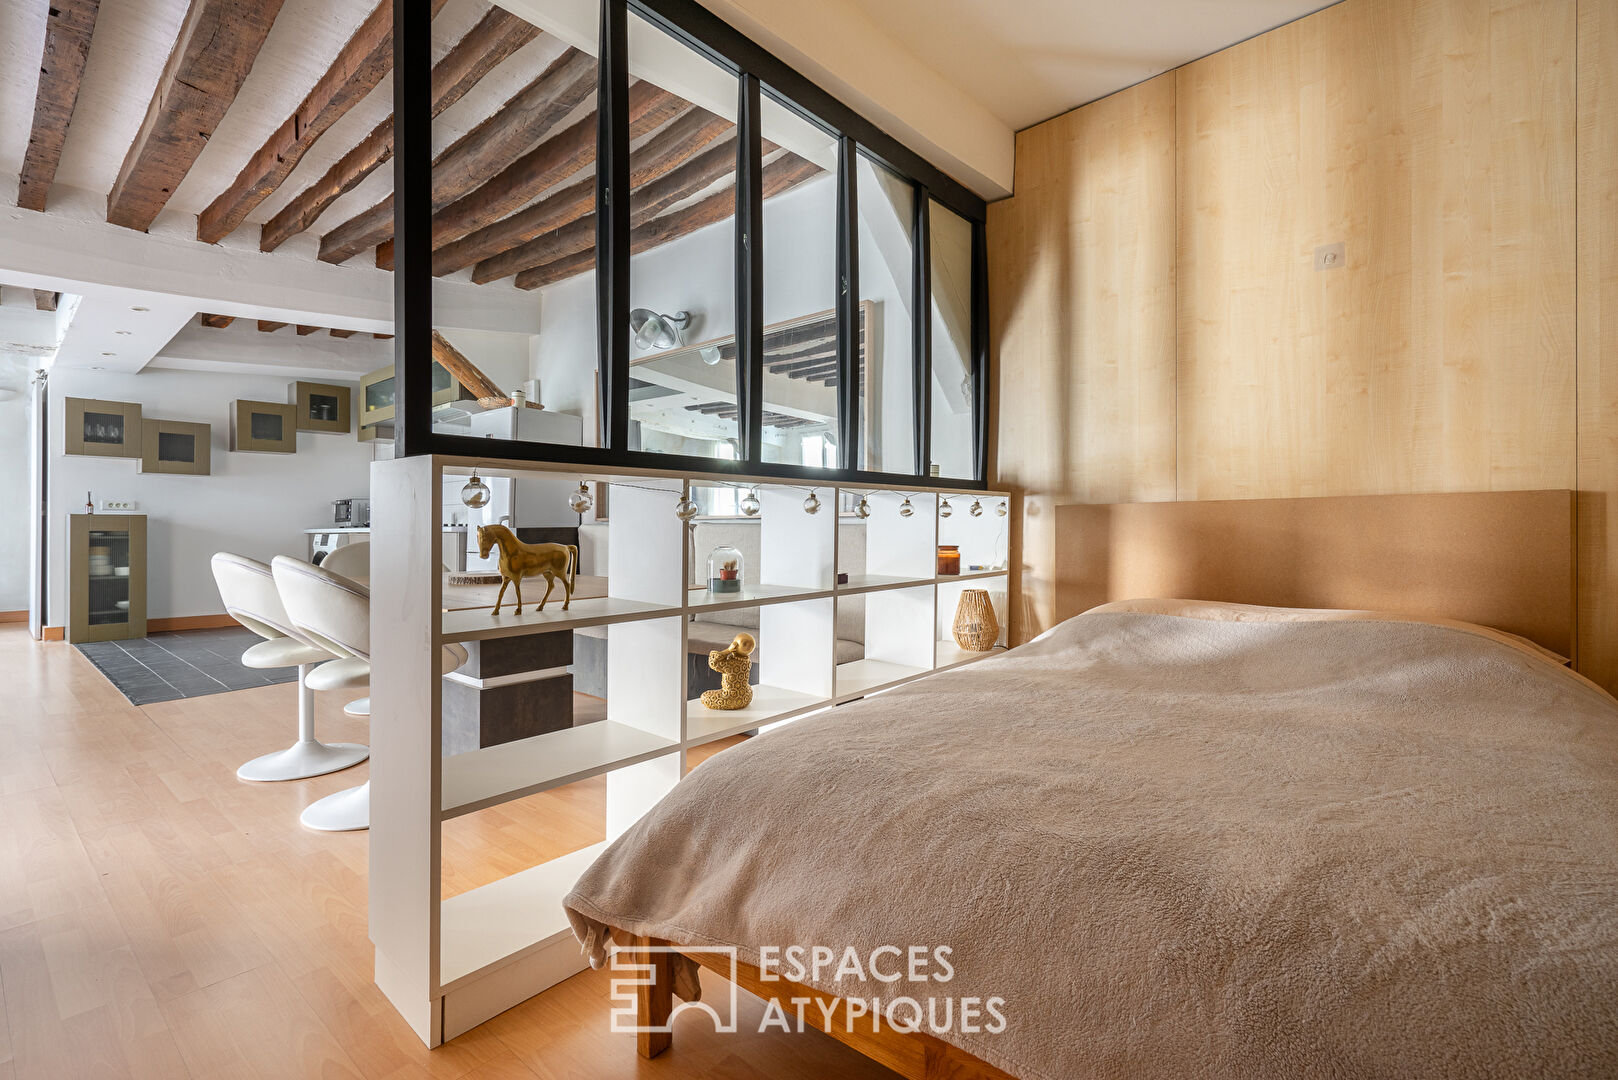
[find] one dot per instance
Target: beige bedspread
(1184, 847)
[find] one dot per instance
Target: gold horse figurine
(519, 560)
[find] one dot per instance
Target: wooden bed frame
(1500, 559)
(914, 1055)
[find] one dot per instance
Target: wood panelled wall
(1162, 332)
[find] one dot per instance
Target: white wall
(502, 357)
(14, 501)
(254, 504)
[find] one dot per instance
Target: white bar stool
(248, 590)
(353, 561)
(335, 612)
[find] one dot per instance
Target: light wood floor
(160, 918)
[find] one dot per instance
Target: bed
(1171, 839)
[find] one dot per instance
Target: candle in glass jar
(949, 559)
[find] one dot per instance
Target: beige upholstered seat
(352, 560)
(247, 588)
(335, 612)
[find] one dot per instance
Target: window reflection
(887, 210)
(951, 244)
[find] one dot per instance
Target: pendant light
(476, 493)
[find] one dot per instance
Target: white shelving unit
(450, 964)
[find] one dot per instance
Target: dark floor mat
(181, 664)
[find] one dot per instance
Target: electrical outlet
(117, 504)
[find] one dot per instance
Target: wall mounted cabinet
(263, 426)
(103, 428)
(377, 399)
(106, 577)
(176, 446)
(320, 406)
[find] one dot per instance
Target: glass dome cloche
(725, 569)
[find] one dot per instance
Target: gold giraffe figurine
(732, 664)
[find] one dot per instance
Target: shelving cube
(448, 964)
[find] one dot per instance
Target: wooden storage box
(263, 426)
(176, 446)
(103, 428)
(376, 399)
(321, 406)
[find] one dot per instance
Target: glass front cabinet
(268, 427)
(376, 399)
(103, 428)
(175, 446)
(106, 577)
(320, 406)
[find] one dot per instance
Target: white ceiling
(1029, 60)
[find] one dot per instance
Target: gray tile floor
(183, 664)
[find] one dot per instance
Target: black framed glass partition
(641, 240)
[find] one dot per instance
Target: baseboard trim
(190, 622)
(13, 616)
(154, 626)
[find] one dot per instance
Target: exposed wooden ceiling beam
(344, 333)
(646, 202)
(266, 326)
(496, 36)
(362, 62)
(46, 300)
(466, 373)
(215, 50)
(481, 153)
(383, 337)
(218, 322)
(384, 254)
(547, 165)
(305, 331)
(808, 363)
(68, 29)
(786, 171)
(675, 144)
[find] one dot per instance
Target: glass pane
(173, 447)
(682, 269)
(514, 230)
(109, 576)
(266, 426)
(951, 240)
(100, 427)
(322, 407)
(887, 210)
(379, 395)
(800, 288)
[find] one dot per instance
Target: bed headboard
(1501, 558)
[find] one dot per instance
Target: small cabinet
(376, 399)
(103, 428)
(106, 577)
(320, 406)
(263, 426)
(175, 446)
